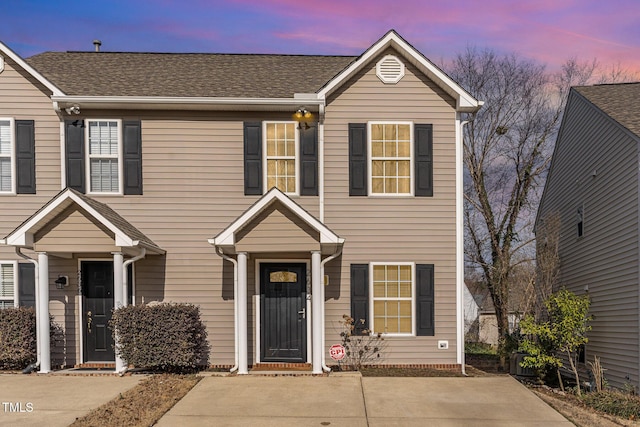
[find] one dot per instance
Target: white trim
(1, 63)
(11, 156)
(464, 100)
(460, 285)
(227, 236)
(256, 274)
(413, 299)
(411, 159)
(20, 62)
(88, 156)
(296, 156)
(16, 296)
(24, 237)
(63, 156)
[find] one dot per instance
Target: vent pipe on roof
(97, 44)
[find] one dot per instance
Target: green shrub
(164, 337)
(479, 348)
(17, 337)
(614, 403)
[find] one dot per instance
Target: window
(8, 294)
(580, 221)
(105, 163)
(7, 165)
(393, 290)
(281, 140)
(390, 148)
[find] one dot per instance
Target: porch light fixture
(302, 113)
(73, 110)
(62, 282)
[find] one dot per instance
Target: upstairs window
(390, 148)
(7, 168)
(392, 286)
(281, 142)
(104, 158)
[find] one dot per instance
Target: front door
(97, 288)
(283, 324)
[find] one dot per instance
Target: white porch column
(316, 313)
(118, 297)
(42, 318)
(242, 314)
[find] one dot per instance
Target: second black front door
(283, 323)
(97, 288)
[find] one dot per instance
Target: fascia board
(29, 69)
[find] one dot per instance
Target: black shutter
(252, 158)
(132, 157)
(25, 157)
(425, 298)
(360, 297)
(74, 151)
(26, 284)
(358, 159)
(423, 135)
(309, 160)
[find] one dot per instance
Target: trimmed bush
(164, 337)
(17, 337)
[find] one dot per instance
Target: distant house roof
(187, 74)
(618, 101)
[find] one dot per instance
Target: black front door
(283, 324)
(97, 288)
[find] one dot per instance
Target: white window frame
(372, 299)
(118, 155)
(265, 157)
(15, 283)
(11, 156)
(370, 158)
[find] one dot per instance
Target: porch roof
(227, 237)
(126, 235)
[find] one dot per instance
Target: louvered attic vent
(390, 69)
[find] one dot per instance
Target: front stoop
(283, 369)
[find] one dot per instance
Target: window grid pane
(5, 174)
(392, 298)
(281, 156)
(104, 173)
(391, 158)
(5, 138)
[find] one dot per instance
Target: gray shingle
(619, 101)
(187, 74)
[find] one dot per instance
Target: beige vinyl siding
(595, 165)
(394, 229)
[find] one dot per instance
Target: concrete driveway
(349, 400)
(55, 400)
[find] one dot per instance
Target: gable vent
(390, 69)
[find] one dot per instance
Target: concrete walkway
(54, 400)
(349, 400)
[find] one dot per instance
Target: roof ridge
(197, 53)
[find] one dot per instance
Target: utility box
(516, 369)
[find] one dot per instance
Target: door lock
(89, 321)
(303, 313)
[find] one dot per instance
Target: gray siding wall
(595, 165)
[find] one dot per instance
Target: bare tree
(507, 149)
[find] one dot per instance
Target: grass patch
(611, 402)
(143, 405)
(479, 348)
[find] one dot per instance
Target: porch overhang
(227, 239)
(125, 234)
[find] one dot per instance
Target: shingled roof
(618, 101)
(187, 74)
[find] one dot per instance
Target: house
(592, 193)
(276, 192)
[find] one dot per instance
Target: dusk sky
(550, 31)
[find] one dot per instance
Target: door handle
(89, 321)
(303, 313)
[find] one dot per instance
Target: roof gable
(126, 235)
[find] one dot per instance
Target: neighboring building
(277, 192)
(592, 188)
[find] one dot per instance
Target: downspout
(324, 261)
(460, 241)
(33, 366)
(321, 161)
(235, 303)
(125, 276)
